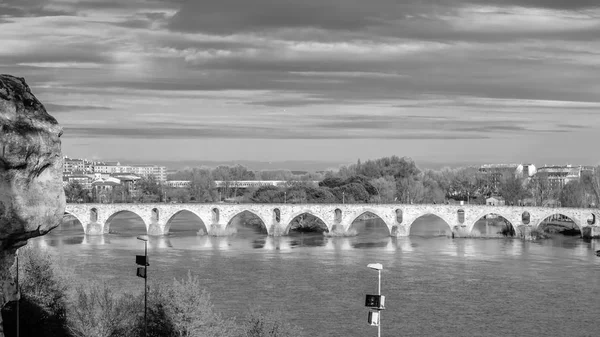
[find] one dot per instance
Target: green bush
(42, 306)
(98, 312)
(261, 323)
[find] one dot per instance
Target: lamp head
(143, 237)
(376, 266)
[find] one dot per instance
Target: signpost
(376, 302)
(142, 260)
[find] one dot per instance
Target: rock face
(32, 200)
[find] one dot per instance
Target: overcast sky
(336, 80)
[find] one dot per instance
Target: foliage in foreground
(43, 302)
(182, 309)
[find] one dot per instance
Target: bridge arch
(83, 224)
(508, 228)
(264, 226)
(171, 217)
(306, 211)
(420, 215)
(107, 223)
(569, 215)
(369, 211)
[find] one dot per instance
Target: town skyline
(460, 81)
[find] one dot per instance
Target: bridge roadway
(277, 218)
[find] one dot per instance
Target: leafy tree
(432, 193)
(353, 192)
(261, 323)
(268, 194)
(362, 180)
(573, 195)
(319, 195)
(385, 187)
(43, 297)
(332, 182)
(540, 189)
(97, 311)
(149, 188)
(189, 309)
(74, 192)
(202, 186)
(409, 190)
(512, 190)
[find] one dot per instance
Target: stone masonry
(95, 218)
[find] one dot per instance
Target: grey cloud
(229, 16)
(552, 4)
(28, 8)
(373, 20)
(55, 108)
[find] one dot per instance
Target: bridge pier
(217, 229)
(398, 230)
(591, 232)
(156, 229)
(94, 228)
(277, 229)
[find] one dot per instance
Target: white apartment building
(158, 172)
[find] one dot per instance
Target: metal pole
(18, 293)
(146, 289)
(379, 293)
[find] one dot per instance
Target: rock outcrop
(32, 200)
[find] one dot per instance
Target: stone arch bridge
(277, 218)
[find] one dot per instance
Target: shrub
(183, 310)
(98, 312)
(43, 297)
(260, 323)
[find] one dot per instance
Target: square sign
(375, 301)
(141, 260)
(141, 272)
(373, 318)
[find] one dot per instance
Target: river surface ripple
(433, 286)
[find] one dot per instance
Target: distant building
(559, 176)
(178, 183)
(495, 201)
(77, 165)
(158, 172)
(258, 183)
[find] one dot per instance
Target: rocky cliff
(32, 200)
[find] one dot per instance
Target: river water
(434, 286)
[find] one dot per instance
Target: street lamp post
(343, 197)
(18, 293)
(143, 272)
(376, 302)
(284, 197)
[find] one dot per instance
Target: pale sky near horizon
(333, 80)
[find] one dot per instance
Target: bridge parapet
(277, 218)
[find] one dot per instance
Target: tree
(43, 296)
(97, 311)
(353, 192)
(573, 195)
(268, 194)
(190, 311)
(409, 190)
(540, 189)
(202, 186)
(74, 192)
(261, 323)
(385, 187)
(149, 189)
(512, 190)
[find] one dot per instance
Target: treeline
(387, 180)
(51, 306)
(384, 180)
